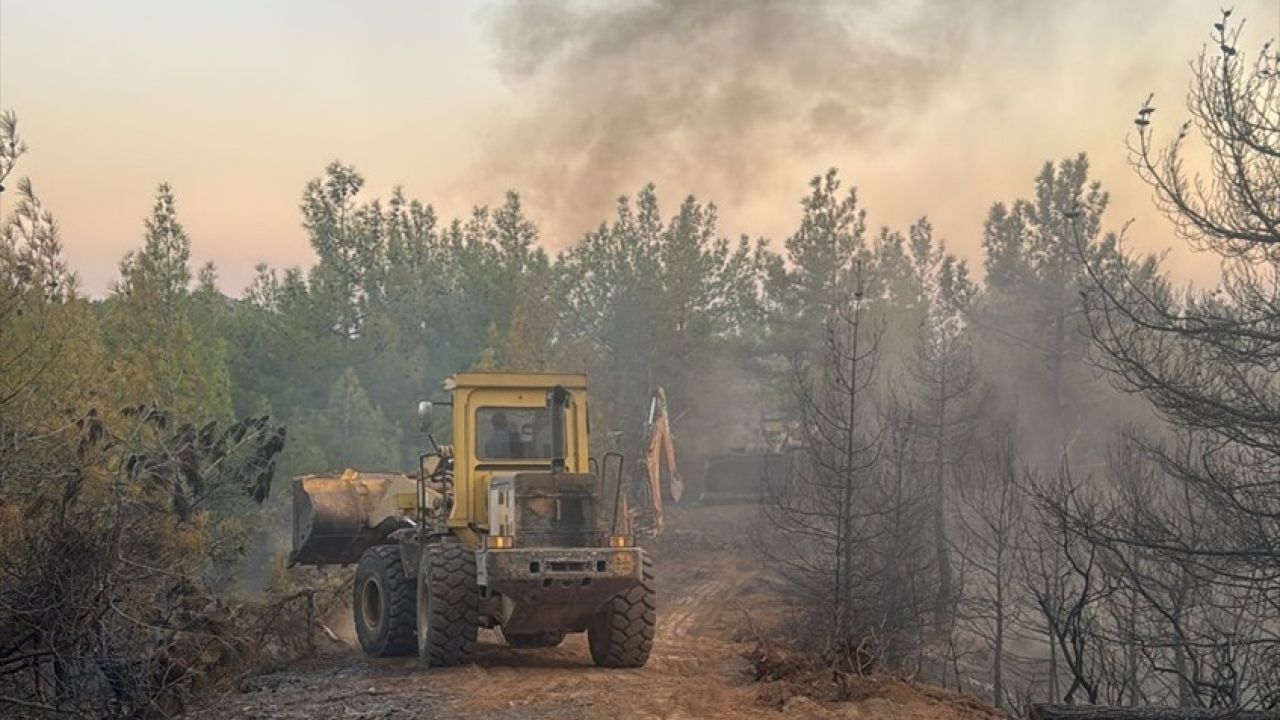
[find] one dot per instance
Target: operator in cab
(500, 445)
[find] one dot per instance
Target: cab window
(513, 433)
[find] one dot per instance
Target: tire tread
(400, 639)
(449, 574)
(622, 634)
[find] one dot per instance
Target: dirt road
(709, 587)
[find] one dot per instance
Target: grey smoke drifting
(710, 96)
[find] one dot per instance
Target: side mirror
(424, 416)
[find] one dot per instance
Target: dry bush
(787, 672)
(110, 531)
(794, 679)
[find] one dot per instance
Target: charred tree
(1206, 361)
(836, 518)
(991, 514)
(1094, 712)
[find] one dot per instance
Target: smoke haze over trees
(718, 93)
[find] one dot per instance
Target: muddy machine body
(507, 527)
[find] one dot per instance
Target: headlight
(499, 542)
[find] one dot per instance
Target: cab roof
(538, 380)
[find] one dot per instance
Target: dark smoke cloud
(713, 96)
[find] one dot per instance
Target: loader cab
(503, 426)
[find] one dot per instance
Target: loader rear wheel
(383, 603)
(448, 601)
(621, 633)
(534, 640)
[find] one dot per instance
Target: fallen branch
(42, 707)
(329, 633)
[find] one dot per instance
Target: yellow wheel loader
(506, 528)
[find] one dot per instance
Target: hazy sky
(929, 107)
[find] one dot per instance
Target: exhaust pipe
(557, 402)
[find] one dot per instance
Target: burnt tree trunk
(1100, 712)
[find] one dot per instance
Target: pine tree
(821, 257)
(165, 341)
(358, 436)
(1031, 318)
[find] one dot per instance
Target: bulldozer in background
(743, 473)
(508, 528)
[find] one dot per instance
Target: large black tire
(383, 604)
(621, 633)
(533, 640)
(448, 601)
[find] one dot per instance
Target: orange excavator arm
(660, 443)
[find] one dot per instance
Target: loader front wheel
(621, 634)
(383, 603)
(448, 605)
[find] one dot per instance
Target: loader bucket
(337, 517)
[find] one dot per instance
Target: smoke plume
(717, 97)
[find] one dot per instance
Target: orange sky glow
(238, 104)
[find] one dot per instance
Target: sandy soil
(710, 591)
